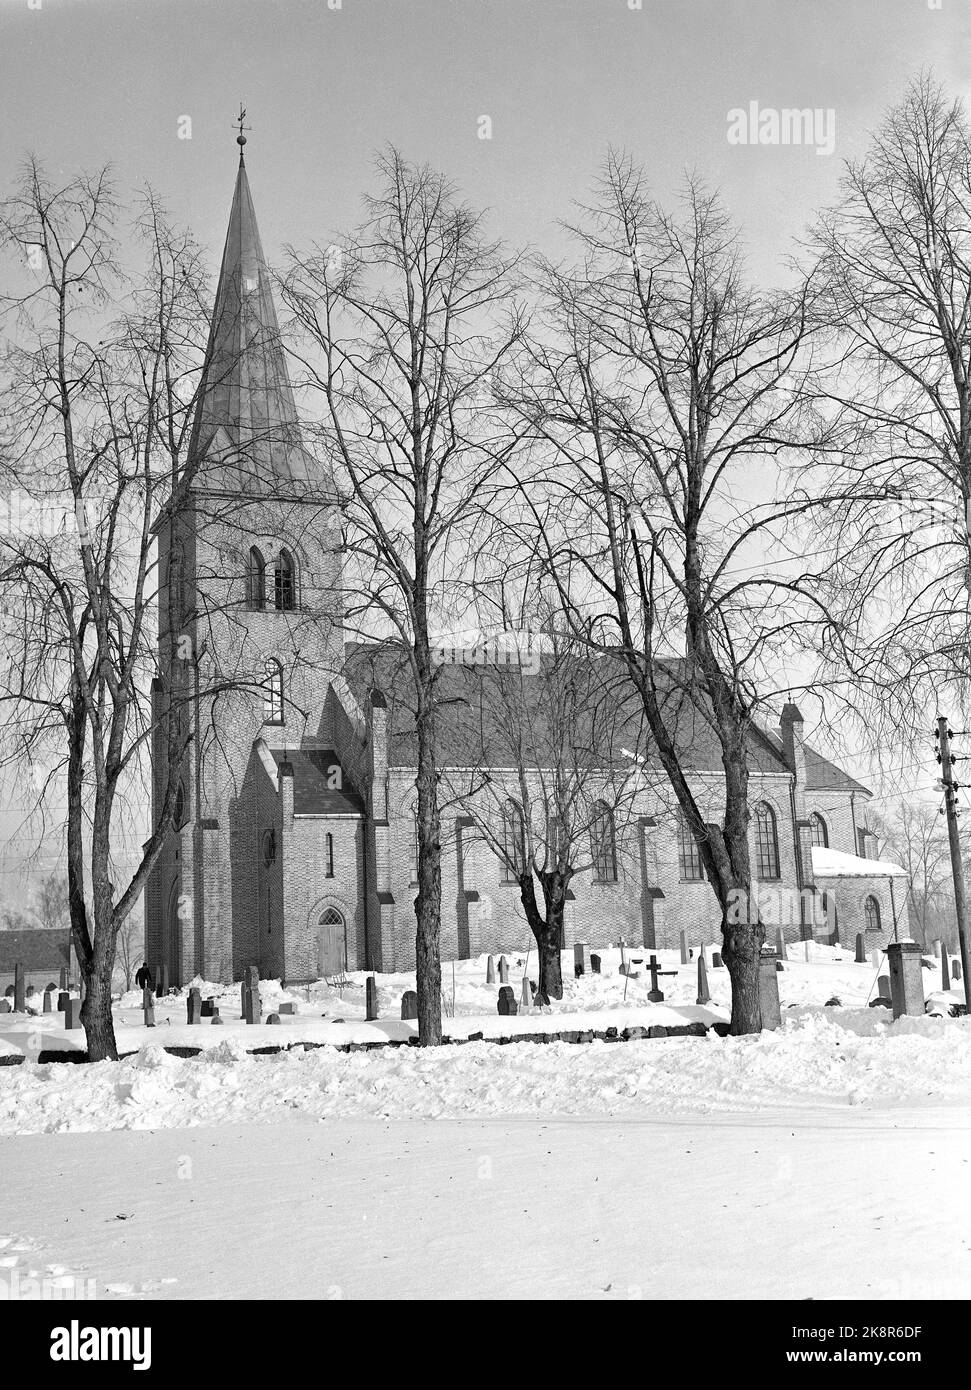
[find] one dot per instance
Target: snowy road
(824, 1204)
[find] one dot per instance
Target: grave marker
(148, 1007)
(507, 1003)
(769, 993)
(48, 1002)
(703, 995)
(252, 1004)
(595, 963)
(684, 948)
(162, 981)
(208, 1008)
(72, 1014)
(62, 999)
(193, 1006)
(371, 998)
(19, 997)
(215, 1017)
(409, 1004)
(906, 981)
(875, 959)
(63, 979)
(490, 972)
(780, 945)
(860, 949)
(716, 960)
(5, 1006)
(503, 971)
(883, 987)
(945, 976)
(525, 997)
(288, 1007)
(956, 970)
(273, 1018)
(654, 994)
(579, 959)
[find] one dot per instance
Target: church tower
(266, 864)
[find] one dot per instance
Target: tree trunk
(428, 903)
(742, 954)
(547, 933)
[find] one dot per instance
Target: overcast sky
(85, 82)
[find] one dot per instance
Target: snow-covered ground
(828, 1159)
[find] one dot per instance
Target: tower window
(273, 693)
(255, 579)
(284, 583)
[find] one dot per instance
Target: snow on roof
(833, 863)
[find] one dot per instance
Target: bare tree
(404, 324)
(915, 837)
(665, 399)
(96, 398)
(130, 947)
(52, 902)
(894, 271)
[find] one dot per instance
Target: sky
(152, 87)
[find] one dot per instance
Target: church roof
(320, 787)
(473, 728)
(246, 434)
(35, 948)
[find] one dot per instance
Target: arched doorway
(331, 943)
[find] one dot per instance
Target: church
(293, 847)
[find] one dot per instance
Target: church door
(331, 945)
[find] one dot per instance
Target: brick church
(294, 842)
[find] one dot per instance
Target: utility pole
(947, 760)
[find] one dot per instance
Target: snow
(834, 863)
(812, 1162)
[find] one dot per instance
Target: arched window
(603, 844)
(273, 693)
(689, 855)
(871, 915)
(766, 842)
(284, 582)
(818, 832)
(514, 842)
(255, 579)
(329, 856)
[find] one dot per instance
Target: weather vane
(241, 138)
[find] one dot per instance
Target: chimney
(793, 745)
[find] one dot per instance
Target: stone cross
(703, 995)
(19, 997)
(148, 1007)
(654, 994)
(194, 1006)
(409, 1004)
(507, 1001)
(860, 949)
(371, 998)
(490, 972)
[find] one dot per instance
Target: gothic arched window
(255, 579)
(818, 832)
(871, 915)
(514, 841)
(766, 842)
(273, 693)
(284, 582)
(603, 844)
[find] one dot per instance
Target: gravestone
(193, 1006)
(654, 994)
(48, 1002)
(883, 987)
(5, 1006)
(936, 948)
(273, 1018)
(875, 959)
(490, 971)
(72, 1014)
(252, 1004)
(860, 949)
(595, 963)
(769, 993)
(579, 959)
(703, 995)
(525, 997)
(19, 996)
(288, 1007)
(371, 998)
(507, 1002)
(503, 971)
(208, 1008)
(216, 1018)
(409, 1004)
(684, 948)
(148, 1007)
(63, 979)
(945, 975)
(161, 981)
(780, 944)
(62, 999)
(716, 960)
(956, 970)
(906, 981)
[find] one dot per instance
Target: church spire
(246, 435)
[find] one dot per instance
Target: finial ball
(241, 140)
